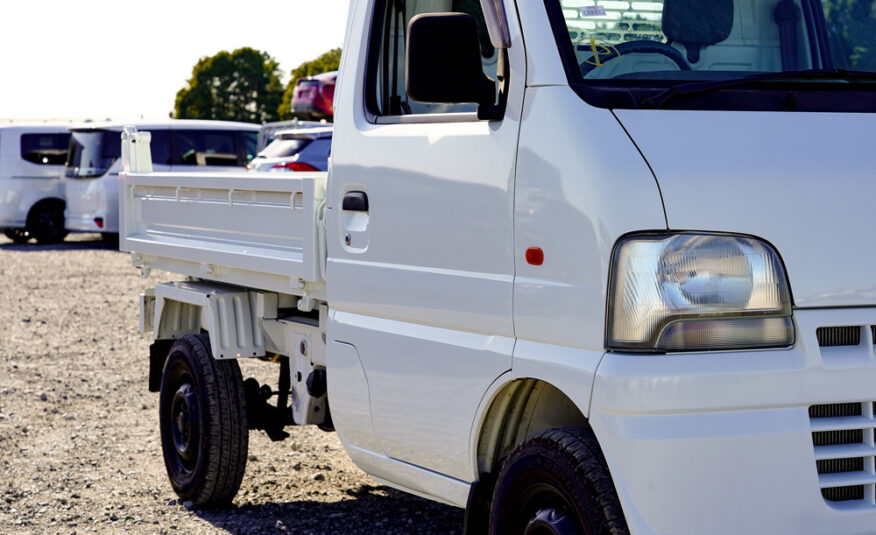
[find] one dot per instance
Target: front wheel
(557, 482)
(202, 413)
(46, 223)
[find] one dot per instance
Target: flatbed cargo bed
(259, 230)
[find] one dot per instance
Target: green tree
(850, 26)
(330, 61)
(243, 85)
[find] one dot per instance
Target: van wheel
(46, 223)
(17, 235)
(557, 482)
(202, 415)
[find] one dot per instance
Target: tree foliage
(330, 61)
(850, 24)
(243, 85)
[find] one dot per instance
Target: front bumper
(723, 442)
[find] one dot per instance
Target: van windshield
(284, 146)
(92, 152)
(643, 46)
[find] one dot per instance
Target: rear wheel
(17, 235)
(45, 223)
(110, 238)
(557, 482)
(202, 413)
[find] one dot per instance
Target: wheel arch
(518, 409)
(230, 315)
(514, 409)
(29, 204)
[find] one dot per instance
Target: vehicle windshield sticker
(593, 11)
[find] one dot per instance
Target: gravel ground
(79, 444)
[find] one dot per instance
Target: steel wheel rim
(546, 511)
(184, 423)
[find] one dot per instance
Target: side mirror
(443, 61)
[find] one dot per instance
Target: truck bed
(259, 230)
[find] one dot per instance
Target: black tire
(202, 414)
(110, 238)
(17, 235)
(557, 481)
(45, 223)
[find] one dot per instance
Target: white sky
(123, 59)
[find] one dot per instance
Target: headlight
(695, 292)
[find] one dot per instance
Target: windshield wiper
(658, 100)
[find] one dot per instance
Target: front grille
(838, 336)
(843, 494)
(835, 410)
(845, 452)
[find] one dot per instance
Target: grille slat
(842, 423)
(839, 451)
(846, 479)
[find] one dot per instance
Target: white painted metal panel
(423, 287)
(239, 228)
(581, 184)
(693, 439)
(802, 181)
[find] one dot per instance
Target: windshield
(283, 147)
(92, 152)
(662, 43)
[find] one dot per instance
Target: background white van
(31, 197)
(91, 178)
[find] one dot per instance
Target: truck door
(420, 246)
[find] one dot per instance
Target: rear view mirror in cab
(444, 62)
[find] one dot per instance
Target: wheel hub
(184, 424)
(550, 521)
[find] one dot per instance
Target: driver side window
(385, 90)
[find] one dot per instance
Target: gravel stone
(69, 333)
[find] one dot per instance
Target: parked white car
(298, 149)
(268, 131)
(31, 197)
(91, 179)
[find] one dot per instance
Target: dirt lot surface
(79, 442)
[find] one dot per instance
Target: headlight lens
(694, 292)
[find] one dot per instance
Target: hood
(805, 182)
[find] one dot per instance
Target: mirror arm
(487, 111)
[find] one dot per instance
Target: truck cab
(582, 268)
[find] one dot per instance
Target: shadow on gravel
(371, 510)
(78, 245)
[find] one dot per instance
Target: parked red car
(313, 96)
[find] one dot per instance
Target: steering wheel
(632, 47)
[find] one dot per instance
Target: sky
(123, 60)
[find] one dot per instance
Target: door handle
(355, 201)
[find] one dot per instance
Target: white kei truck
(578, 267)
